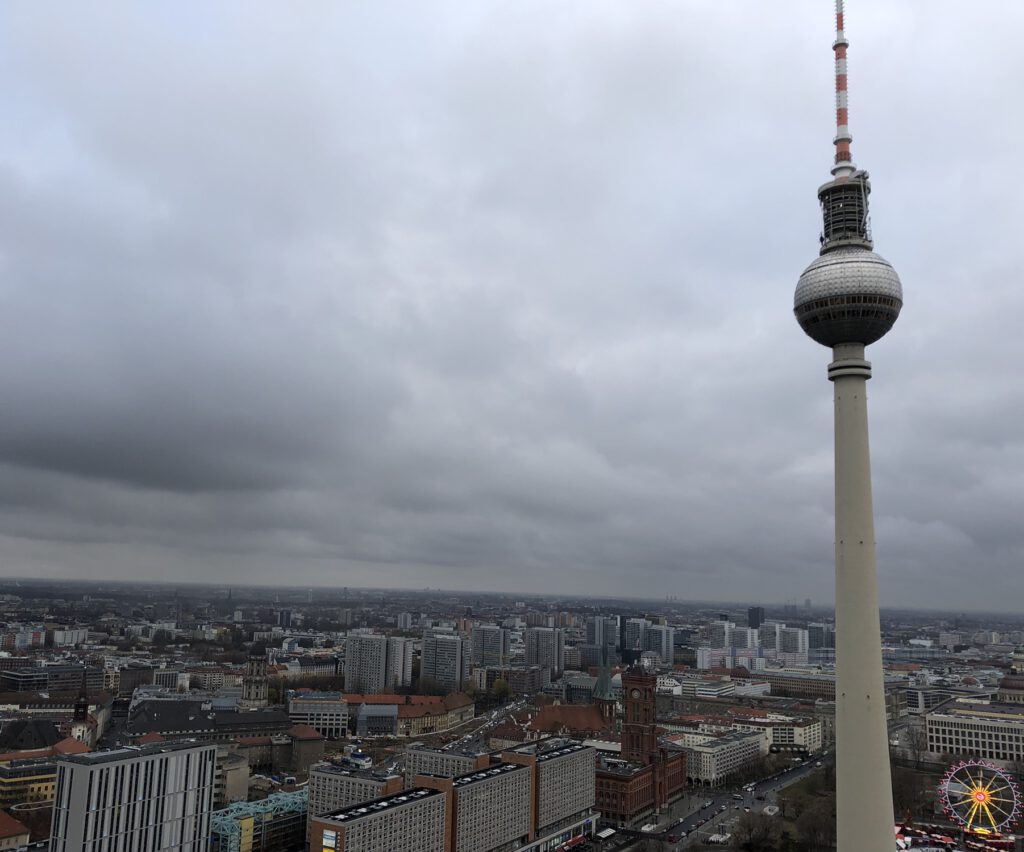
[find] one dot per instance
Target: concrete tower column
(864, 813)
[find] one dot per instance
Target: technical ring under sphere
(848, 295)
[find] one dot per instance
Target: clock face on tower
(635, 693)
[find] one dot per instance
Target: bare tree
(817, 825)
(917, 743)
(757, 833)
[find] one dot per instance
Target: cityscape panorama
(417, 431)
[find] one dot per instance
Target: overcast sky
(497, 295)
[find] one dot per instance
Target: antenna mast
(844, 166)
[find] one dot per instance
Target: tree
(917, 743)
(817, 824)
(910, 792)
(758, 833)
(501, 690)
(429, 686)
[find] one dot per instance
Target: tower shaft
(864, 812)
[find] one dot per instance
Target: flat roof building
(145, 798)
(413, 821)
(491, 810)
(564, 781)
(436, 761)
(327, 712)
(990, 731)
(333, 788)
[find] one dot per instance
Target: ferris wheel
(980, 796)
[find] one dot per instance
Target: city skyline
(491, 305)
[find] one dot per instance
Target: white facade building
(712, 759)
(143, 799)
(972, 729)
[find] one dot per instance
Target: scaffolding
(259, 826)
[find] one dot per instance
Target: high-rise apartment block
(444, 660)
(603, 630)
(533, 798)
(768, 635)
(633, 633)
(448, 763)
(743, 637)
(154, 798)
(660, 638)
(333, 788)
(492, 808)
(563, 784)
(545, 647)
(413, 821)
(821, 636)
(399, 664)
(490, 645)
(366, 662)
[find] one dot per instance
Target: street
(699, 816)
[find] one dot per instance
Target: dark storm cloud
(496, 296)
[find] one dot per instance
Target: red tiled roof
(253, 741)
(151, 737)
(10, 827)
(304, 732)
(69, 745)
(439, 702)
(577, 718)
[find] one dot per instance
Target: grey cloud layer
(496, 296)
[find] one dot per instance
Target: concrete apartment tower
(848, 298)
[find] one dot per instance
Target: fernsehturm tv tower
(846, 299)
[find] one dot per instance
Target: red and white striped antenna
(844, 166)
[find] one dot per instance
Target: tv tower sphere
(848, 295)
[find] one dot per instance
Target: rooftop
(383, 804)
(318, 696)
(336, 769)
(624, 768)
(487, 774)
(129, 752)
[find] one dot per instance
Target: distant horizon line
(493, 592)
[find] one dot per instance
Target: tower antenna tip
(843, 159)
